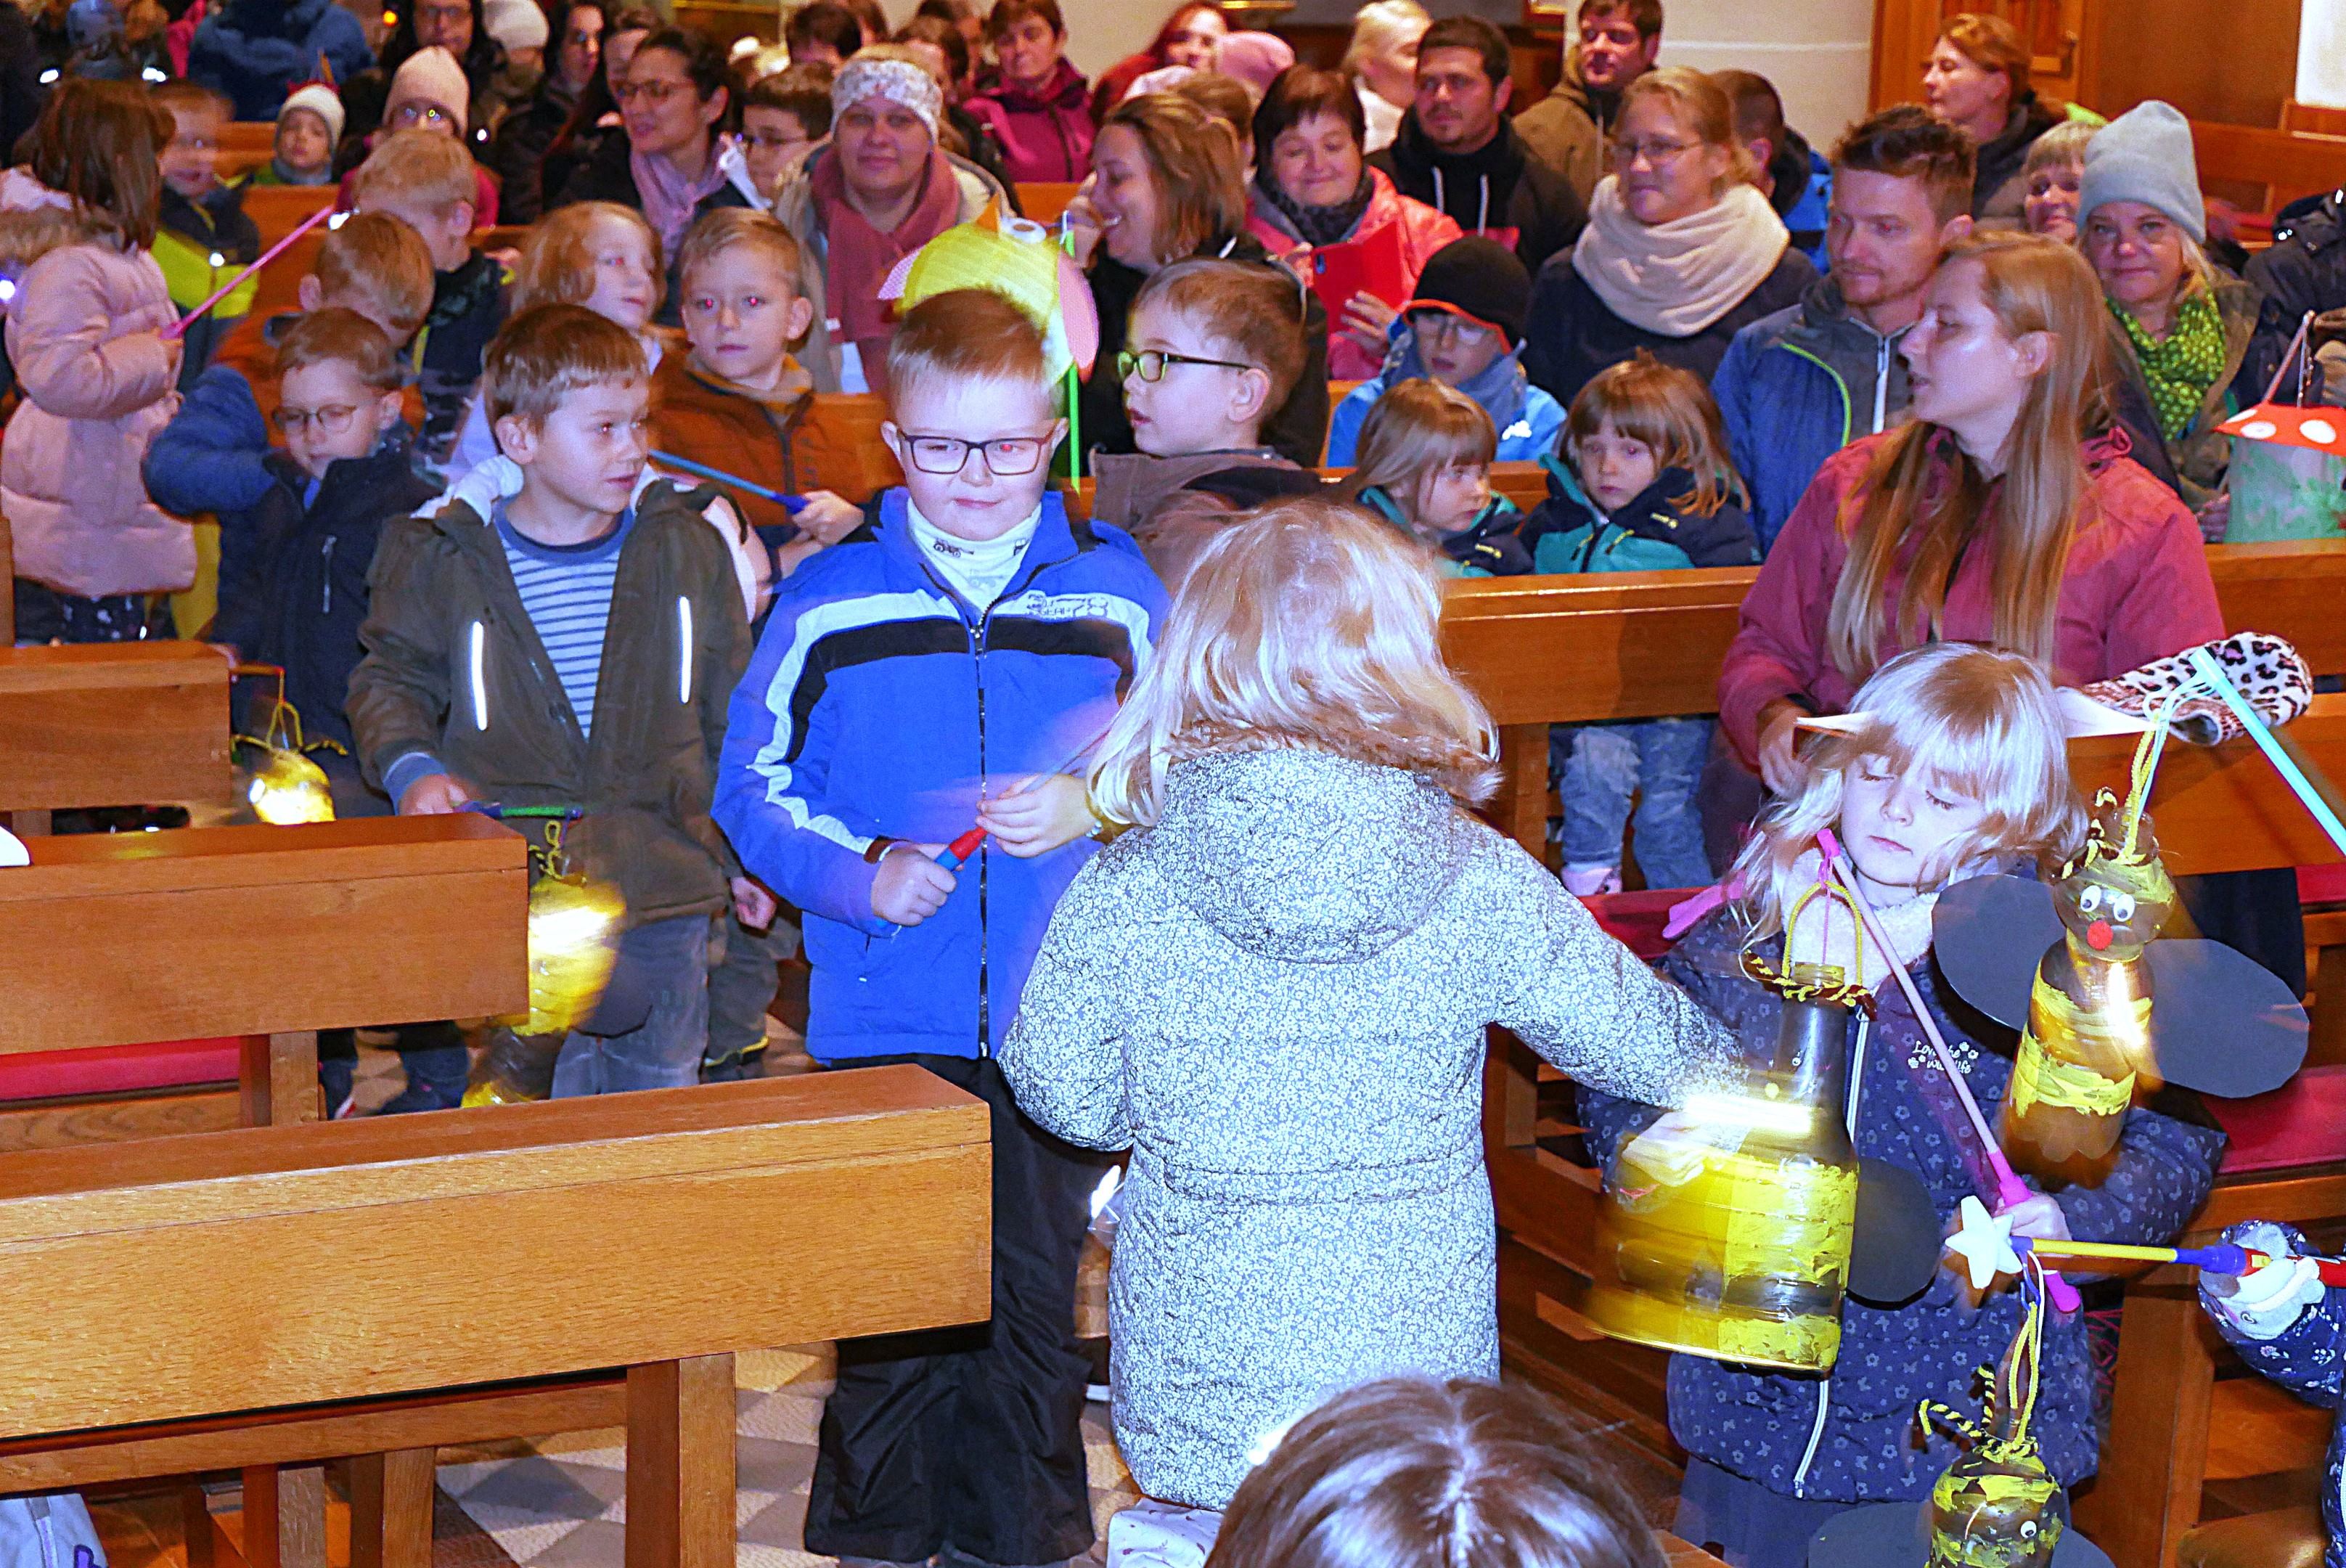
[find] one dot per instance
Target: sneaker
(416, 1097)
(1591, 882)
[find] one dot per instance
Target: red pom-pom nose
(2099, 935)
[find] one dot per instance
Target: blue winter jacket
(881, 703)
(1851, 1437)
(257, 51)
(1798, 386)
(214, 457)
(2308, 1358)
(1526, 418)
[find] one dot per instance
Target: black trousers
(971, 1437)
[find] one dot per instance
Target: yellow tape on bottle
(2055, 1075)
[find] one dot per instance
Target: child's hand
(911, 886)
(1780, 768)
(1038, 815)
(1367, 320)
(2035, 1215)
(828, 518)
(435, 795)
(753, 906)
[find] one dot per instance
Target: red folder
(1370, 264)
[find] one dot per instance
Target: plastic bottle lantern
(1726, 1229)
(2288, 476)
(285, 787)
(1997, 1506)
(575, 924)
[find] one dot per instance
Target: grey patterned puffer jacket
(1277, 997)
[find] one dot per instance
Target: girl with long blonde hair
(1993, 517)
(1274, 988)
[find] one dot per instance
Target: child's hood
(36, 220)
(1303, 857)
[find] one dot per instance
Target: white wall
(1818, 53)
(2322, 52)
(1102, 32)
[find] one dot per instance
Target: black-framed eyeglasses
(333, 417)
(1008, 455)
(1150, 364)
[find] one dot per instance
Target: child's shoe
(1590, 881)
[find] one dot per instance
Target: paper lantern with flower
(1017, 258)
(2289, 473)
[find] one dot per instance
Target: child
(592, 254)
(202, 236)
(938, 671)
(95, 557)
(1401, 1471)
(1465, 330)
(2055, 170)
(429, 92)
(308, 127)
(783, 117)
(213, 455)
(573, 648)
(426, 182)
(1424, 466)
(1213, 352)
(1258, 990)
(294, 594)
(1958, 768)
(1655, 490)
(2288, 1325)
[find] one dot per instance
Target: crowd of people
(1949, 376)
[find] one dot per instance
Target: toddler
(308, 128)
(1654, 491)
(1424, 466)
(1957, 766)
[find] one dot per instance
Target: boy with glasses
(1215, 348)
(1465, 330)
(947, 669)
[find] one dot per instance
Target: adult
(595, 117)
(822, 33)
(1381, 59)
(941, 46)
(1191, 36)
(1680, 252)
(520, 29)
(667, 161)
(878, 190)
(257, 51)
(518, 152)
(1037, 105)
(21, 92)
(1798, 385)
(2304, 269)
(1457, 152)
(2178, 324)
(1165, 184)
(1991, 516)
(1613, 42)
(1794, 178)
(1336, 223)
(1977, 80)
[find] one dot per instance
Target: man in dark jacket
(1614, 45)
(1457, 151)
(257, 51)
(2304, 271)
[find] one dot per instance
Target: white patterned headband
(898, 81)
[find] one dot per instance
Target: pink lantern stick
(181, 326)
(2009, 1188)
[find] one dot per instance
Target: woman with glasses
(1335, 222)
(1165, 184)
(1681, 252)
(669, 161)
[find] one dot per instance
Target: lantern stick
(2297, 770)
(2009, 1188)
(2287, 355)
(793, 505)
(181, 326)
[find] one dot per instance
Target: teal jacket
(1570, 534)
(1490, 546)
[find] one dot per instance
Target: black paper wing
(1989, 935)
(2220, 1021)
(1897, 1244)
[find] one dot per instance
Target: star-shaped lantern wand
(1987, 1246)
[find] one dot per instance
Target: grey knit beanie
(2145, 155)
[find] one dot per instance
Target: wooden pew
(246, 144)
(278, 210)
(610, 1256)
(114, 723)
(2288, 164)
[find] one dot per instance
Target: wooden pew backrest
(278, 210)
(119, 938)
(379, 1257)
(114, 723)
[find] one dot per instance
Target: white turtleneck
(979, 569)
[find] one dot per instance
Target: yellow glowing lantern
(573, 941)
(288, 788)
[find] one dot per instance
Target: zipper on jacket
(1825, 1388)
(984, 1002)
(326, 575)
(1881, 381)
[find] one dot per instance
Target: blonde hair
(1979, 722)
(1701, 106)
(1419, 428)
(1306, 623)
(1379, 22)
(966, 334)
(1913, 516)
(419, 165)
(732, 228)
(1195, 166)
(1674, 414)
(557, 258)
(335, 336)
(1992, 45)
(376, 258)
(2064, 143)
(1254, 310)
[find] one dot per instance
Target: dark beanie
(1479, 277)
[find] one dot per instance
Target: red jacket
(1046, 136)
(2137, 588)
(1423, 230)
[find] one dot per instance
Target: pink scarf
(861, 256)
(670, 199)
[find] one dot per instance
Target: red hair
(1173, 25)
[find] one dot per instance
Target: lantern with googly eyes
(2288, 478)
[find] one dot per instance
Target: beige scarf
(1674, 278)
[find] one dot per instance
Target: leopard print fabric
(2265, 670)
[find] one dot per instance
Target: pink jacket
(1423, 230)
(2136, 590)
(97, 385)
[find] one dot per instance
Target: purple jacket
(1046, 136)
